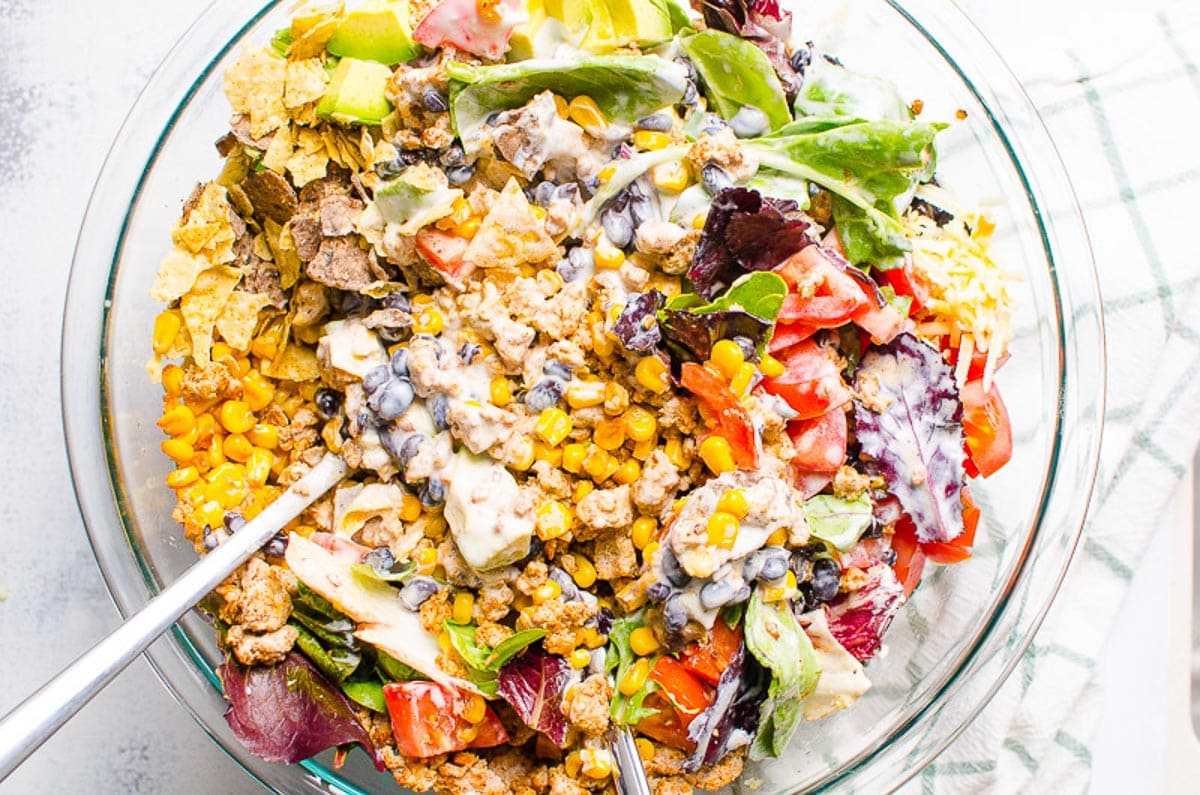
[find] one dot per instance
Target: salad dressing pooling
(659, 357)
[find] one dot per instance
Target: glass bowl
(950, 648)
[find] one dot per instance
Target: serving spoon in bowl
(34, 720)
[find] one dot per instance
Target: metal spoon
(628, 774)
(30, 723)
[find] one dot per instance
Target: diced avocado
(378, 30)
(640, 22)
(601, 36)
(356, 93)
(521, 45)
(573, 14)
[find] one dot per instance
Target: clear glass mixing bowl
(952, 645)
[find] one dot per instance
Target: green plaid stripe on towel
(1118, 85)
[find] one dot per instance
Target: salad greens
(838, 521)
(619, 658)
(831, 90)
(777, 641)
(534, 685)
(736, 74)
(485, 662)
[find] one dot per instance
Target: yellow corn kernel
(469, 227)
(650, 551)
(220, 351)
(643, 532)
(544, 452)
(229, 495)
(166, 327)
(717, 455)
(584, 111)
(609, 434)
(734, 502)
(607, 256)
(728, 356)
(676, 454)
(235, 416)
(237, 447)
(264, 348)
(464, 604)
(431, 321)
(178, 450)
(585, 394)
(651, 373)
(595, 763)
(640, 424)
(642, 450)
(552, 520)
(264, 436)
(258, 467)
(600, 466)
(579, 658)
(770, 366)
(177, 421)
(572, 457)
(628, 472)
(475, 709)
(426, 560)
(740, 383)
(184, 476)
(777, 538)
(699, 219)
(642, 642)
(723, 530)
(422, 300)
(553, 425)
(410, 508)
(243, 365)
(677, 506)
(540, 212)
(561, 106)
(216, 455)
(500, 391)
(444, 641)
(210, 514)
(206, 427)
(526, 458)
(649, 139)
(635, 677)
(665, 283)
(645, 748)
(573, 764)
(606, 173)
(614, 312)
(546, 591)
(582, 489)
(673, 177)
(585, 573)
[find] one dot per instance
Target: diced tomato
(666, 724)
(830, 297)
(723, 412)
(820, 442)
(788, 334)
(882, 322)
(708, 660)
(811, 383)
(905, 282)
(687, 693)
(957, 549)
(444, 252)
(910, 559)
(426, 720)
(864, 554)
(987, 428)
(459, 23)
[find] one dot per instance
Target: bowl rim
(87, 421)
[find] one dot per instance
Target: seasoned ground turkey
(586, 704)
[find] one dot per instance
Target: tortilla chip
(206, 230)
(309, 160)
(177, 274)
(293, 363)
(511, 234)
(254, 85)
(236, 167)
(203, 305)
(305, 82)
(239, 318)
(279, 150)
(312, 27)
(283, 252)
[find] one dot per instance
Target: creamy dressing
(481, 510)
(351, 347)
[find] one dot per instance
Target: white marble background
(69, 69)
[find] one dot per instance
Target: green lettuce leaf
(830, 90)
(777, 641)
(484, 662)
(760, 294)
(737, 74)
(837, 521)
(367, 692)
(619, 658)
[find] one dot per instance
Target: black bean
(434, 101)
(381, 559)
(417, 590)
(741, 595)
(376, 377)
(774, 566)
(395, 399)
(492, 119)
(675, 615)
(212, 539)
(328, 402)
(566, 271)
(826, 576)
(617, 227)
(805, 600)
(276, 547)
(656, 122)
(545, 394)
(453, 155)
(641, 210)
(459, 175)
(687, 64)
(671, 569)
(570, 592)
(749, 351)
(712, 124)
(717, 593)
(604, 623)
(556, 369)
(439, 407)
(582, 258)
(543, 193)
(749, 122)
(468, 352)
(400, 362)
(397, 300)
(233, 521)
(433, 492)
(715, 178)
(751, 568)
(568, 192)
(690, 95)
(801, 58)
(410, 447)
(658, 591)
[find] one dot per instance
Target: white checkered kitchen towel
(1118, 85)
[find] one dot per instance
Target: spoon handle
(629, 773)
(31, 722)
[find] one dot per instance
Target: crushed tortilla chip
(236, 168)
(203, 304)
(312, 27)
(293, 363)
(511, 234)
(254, 86)
(305, 82)
(262, 249)
(177, 274)
(283, 252)
(206, 229)
(279, 150)
(239, 318)
(310, 158)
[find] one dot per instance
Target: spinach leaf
(737, 74)
(336, 663)
(392, 670)
(367, 692)
(869, 236)
(831, 90)
(760, 294)
(837, 521)
(777, 641)
(765, 24)
(625, 87)
(484, 662)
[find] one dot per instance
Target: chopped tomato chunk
(723, 412)
(910, 559)
(666, 724)
(820, 442)
(427, 720)
(708, 660)
(687, 693)
(811, 383)
(444, 251)
(986, 426)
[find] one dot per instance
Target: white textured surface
(68, 72)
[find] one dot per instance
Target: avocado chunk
(601, 26)
(640, 22)
(378, 30)
(356, 93)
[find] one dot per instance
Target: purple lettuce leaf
(533, 685)
(764, 24)
(637, 325)
(859, 619)
(288, 712)
(908, 422)
(690, 336)
(731, 721)
(745, 232)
